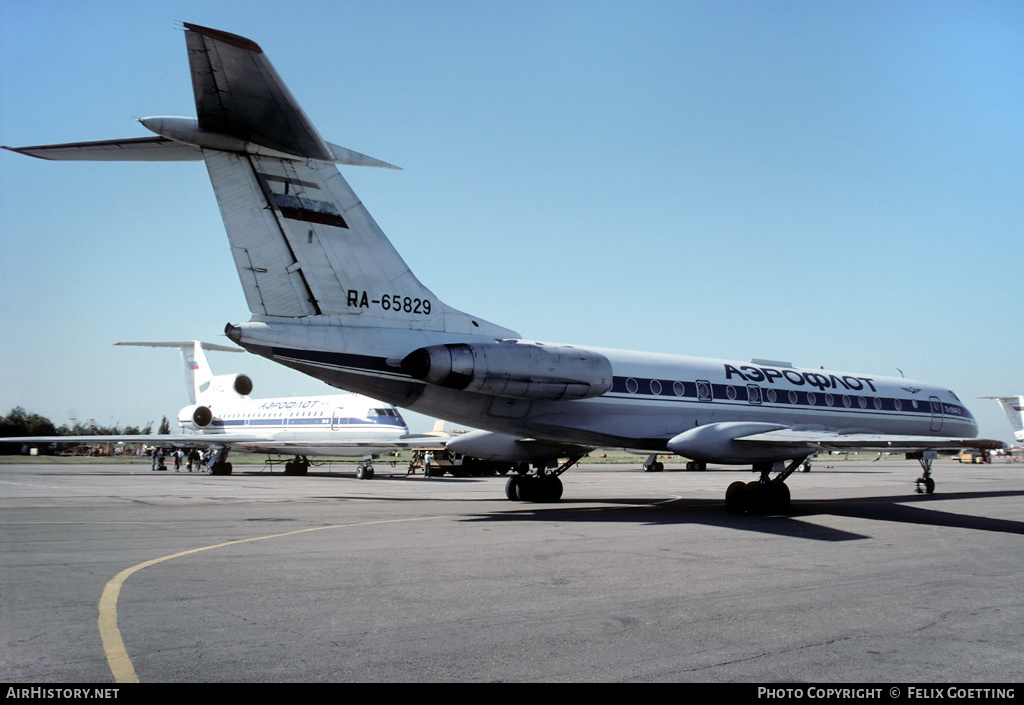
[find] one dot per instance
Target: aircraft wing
(173, 440)
(739, 441)
(826, 440)
(141, 149)
(255, 444)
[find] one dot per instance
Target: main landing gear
(299, 466)
(767, 495)
(545, 486)
(219, 464)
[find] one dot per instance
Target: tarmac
(113, 573)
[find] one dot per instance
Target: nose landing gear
(925, 484)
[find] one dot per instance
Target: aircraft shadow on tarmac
(907, 509)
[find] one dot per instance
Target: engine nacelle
(195, 417)
(485, 445)
(716, 443)
(239, 384)
(517, 370)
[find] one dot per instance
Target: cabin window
(704, 391)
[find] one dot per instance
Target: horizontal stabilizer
(350, 158)
(187, 344)
(139, 149)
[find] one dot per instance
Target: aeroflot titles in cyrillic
(298, 404)
(770, 375)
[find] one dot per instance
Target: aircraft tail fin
(199, 378)
(302, 241)
(304, 245)
(1013, 406)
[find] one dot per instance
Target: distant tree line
(23, 423)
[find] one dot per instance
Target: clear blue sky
(837, 184)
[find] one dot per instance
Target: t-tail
(305, 248)
(1014, 408)
(204, 387)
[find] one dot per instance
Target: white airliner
(330, 296)
(223, 417)
(1014, 408)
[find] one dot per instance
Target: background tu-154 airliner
(330, 296)
(222, 416)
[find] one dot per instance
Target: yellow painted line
(113, 646)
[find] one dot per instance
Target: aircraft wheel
(736, 498)
(526, 488)
(364, 472)
(929, 485)
(512, 488)
(550, 489)
(779, 496)
(755, 497)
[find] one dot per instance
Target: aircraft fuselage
(651, 397)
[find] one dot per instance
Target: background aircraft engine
(518, 370)
(243, 385)
(239, 384)
(196, 416)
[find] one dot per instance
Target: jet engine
(239, 384)
(195, 417)
(517, 370)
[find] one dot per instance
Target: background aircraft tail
(202, 384)
(1014, 408)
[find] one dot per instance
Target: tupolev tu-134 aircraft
(330, 296)
(223, 417)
